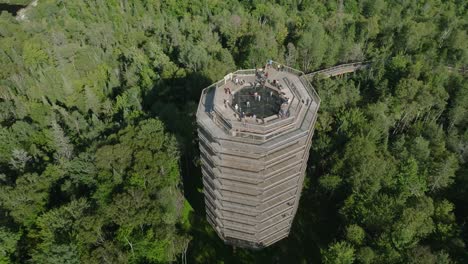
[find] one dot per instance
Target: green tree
(355, 234)
(339, 253)
(8, 244)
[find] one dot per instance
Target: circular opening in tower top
(257, 100)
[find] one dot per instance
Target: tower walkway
(355, 66)
(340, 69)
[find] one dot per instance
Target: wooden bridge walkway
(352, 67)
(340, 69)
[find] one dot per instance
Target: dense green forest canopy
(97, 102)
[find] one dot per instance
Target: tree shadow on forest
(175, 101)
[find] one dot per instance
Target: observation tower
(255, 130)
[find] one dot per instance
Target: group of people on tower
(261, 79)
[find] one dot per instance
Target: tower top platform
(257, 106)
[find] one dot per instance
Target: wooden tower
(255, 130)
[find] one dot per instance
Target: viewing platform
(257, 123)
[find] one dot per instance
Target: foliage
(97, 102)
(339, 253)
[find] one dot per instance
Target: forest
(99, 158)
